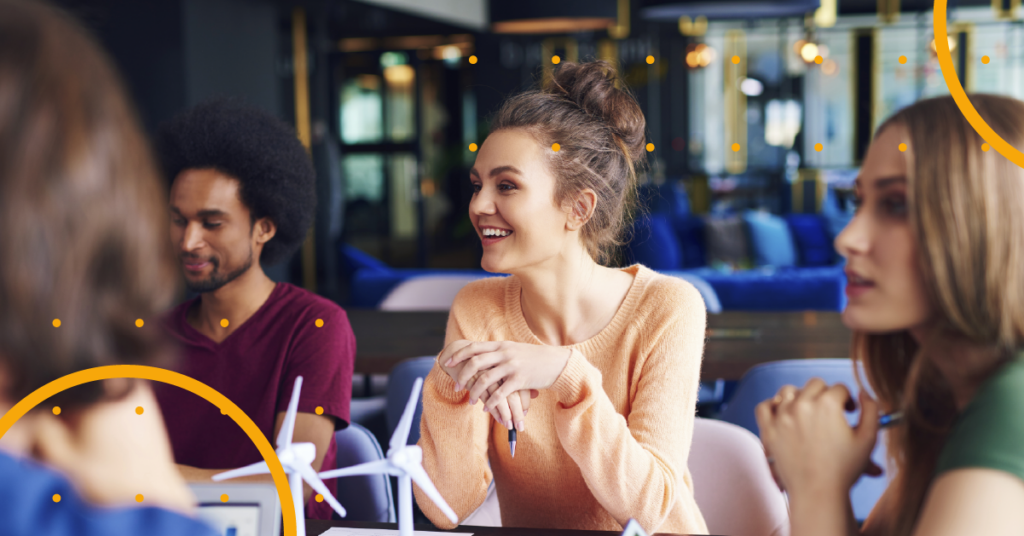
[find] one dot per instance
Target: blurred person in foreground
(935, 264)
(83, 241)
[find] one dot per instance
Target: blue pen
(890, 419)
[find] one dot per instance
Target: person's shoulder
(990, 431)
(299, 301)
(667, 299)
(485, 295)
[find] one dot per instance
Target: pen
(512, 441)
(890, 419)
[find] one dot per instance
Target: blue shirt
(27, 509)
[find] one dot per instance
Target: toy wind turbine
(297, 459)
(405, 462)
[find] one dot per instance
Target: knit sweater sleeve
(635, 465)
(454, 438)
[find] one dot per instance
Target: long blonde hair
(966, 210)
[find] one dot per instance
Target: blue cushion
(654, 243)
(787, 289)
(812, 239)
(772, 243)
(690, 233)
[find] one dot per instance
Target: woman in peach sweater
(610, 357)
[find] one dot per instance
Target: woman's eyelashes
(503, 187)
(895, 205)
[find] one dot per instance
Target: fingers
(484, 381)
(515, 405)
(469, 350)
(504, 391)
(504, 413)
(867, 428)
(525, 399)
(813, 389)
(840, 395)
(473, 367)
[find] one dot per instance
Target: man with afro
(243, 196)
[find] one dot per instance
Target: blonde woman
(614, 354)
(935, 262)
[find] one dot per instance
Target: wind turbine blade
(284, 436)
(420, 477)
(401, 435)
(311, 478)
(369, 468)
(258, 468)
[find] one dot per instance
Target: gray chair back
(399, 386)
(365, 497)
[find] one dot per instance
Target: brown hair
(600, 131)
(965, 209)
(83, 220)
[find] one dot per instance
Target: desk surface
(736, 341)
(317, 527)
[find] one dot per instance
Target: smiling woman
(610, 355)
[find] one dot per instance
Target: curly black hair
(276, 175)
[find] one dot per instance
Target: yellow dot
(319, 322)
(139, 410)
(319, 410)
(650, 60)
(472, 147)
(556, 147)
(736, 60)
(56, 497)
(139, 322)
(903, 59)
(56, 322)
(472, 60)
(985, 147)
(903, 147)
(56, 410)
(818, 147)
(985, 60)
(224, 497)
(555, 59)
(650, 147)
(223, 411)
(735, 147)
(224, 322)
(320, 498)
(818, 60)
(139, 498)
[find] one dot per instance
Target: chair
(427, 293)
(365, 497)
(764, 381)
(732, 483)
(399, 386)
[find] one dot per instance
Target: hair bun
(591, 86)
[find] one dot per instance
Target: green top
(990, 432)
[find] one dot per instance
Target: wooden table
(736, 341)
(316, 528)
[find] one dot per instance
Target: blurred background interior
(759, 113)
(391, 93)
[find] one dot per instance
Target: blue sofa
(795, 265)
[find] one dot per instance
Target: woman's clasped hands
(810, 446)
(505, 375)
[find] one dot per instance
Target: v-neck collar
(195, 334)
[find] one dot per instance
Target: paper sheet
(342, 531)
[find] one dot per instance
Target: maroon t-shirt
(256, 367)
